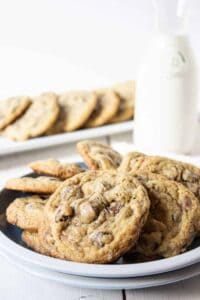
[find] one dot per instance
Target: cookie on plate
(11, 109)
(47, 241)
(75, 109)
(39, 185)
(41, 241)
(185, 173)
(55, 168)
(97, 216)
(173, 219)
(31, 239)
(26, 212)
(129, 159)
(106, 108)
(39, 117)
(126, 92)
(98, 156)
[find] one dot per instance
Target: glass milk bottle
(166, 87)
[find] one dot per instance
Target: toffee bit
(101, 238)
(176, 217)
(187, 203)
(114, 208)
(187, 175)
(88, 213)
(64, 214)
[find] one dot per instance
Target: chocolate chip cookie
(55, 168)
(26, 212)
(99, 156)
(126, 92)
(187, 174)
(39, 117)
(47, 241)
(39, 185)
(96, 216)
(41, 241)
(75, 109)
(31, 239)
(107, 106)
(11, 109)
(173, 219)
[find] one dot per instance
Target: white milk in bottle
(166, 87)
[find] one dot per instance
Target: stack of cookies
(137, 206)
(22, 118)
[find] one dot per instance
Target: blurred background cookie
(75, 109)
(40, 116)
(11, 109)
(126, 92)
(106, 108)
(39, 185)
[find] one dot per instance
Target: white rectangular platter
(8, 147)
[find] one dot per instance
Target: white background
(61, 44)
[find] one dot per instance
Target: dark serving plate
(11, 242)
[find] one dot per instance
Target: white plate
(93, 270)
(107, 283)
(8, 147)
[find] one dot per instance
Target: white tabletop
(15, 284)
